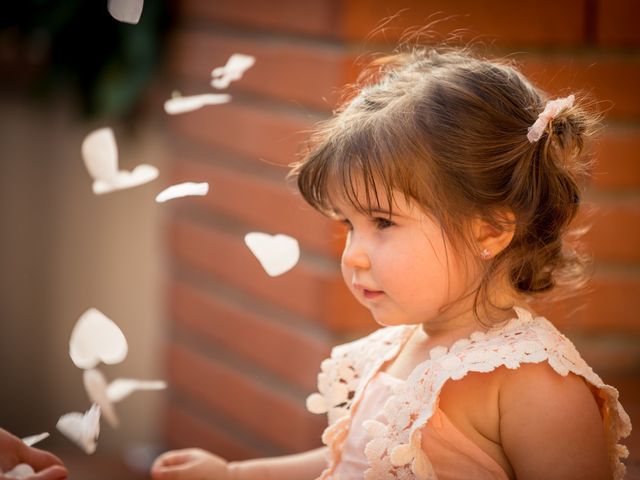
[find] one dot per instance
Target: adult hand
(189, 464)
(14, 451)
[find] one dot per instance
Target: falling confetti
(235, 67)
(100, 155)
(82, 429)
(33, 439)
(105, 395)
(179, 104)
(96, 387)
(276, 253)
(94, 339)
(121, 388)
(20, 471)
(127, 11)
(182, 190)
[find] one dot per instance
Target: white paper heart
(100, 155)
(105, 395)
(138, 176)
(121, 388)
(95, 384)
(94, 339)
(182, 190)
(20, 471)
(276, 253)
(236, 65)
(82, 429)
(127, 11)
(179, 104)
(31, 440)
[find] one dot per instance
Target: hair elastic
(551, 110)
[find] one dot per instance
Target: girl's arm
(197, 464)
(300, 466)
(550, 426)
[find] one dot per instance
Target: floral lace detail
(395, 449)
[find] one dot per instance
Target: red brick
(185, 430)
(609, 354)
(615, 232)
(300, 73)
(618, 159)
(285, 350)
(612, 81)
(310, 18)
(506, 22)
(609, 306)
(255, 405)
(264, 204)
(316, 293)
(260, 133)
(617, 22)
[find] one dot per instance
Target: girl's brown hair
(449, 130)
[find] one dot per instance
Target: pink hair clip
(551, 110)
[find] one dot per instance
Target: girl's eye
(382, 223)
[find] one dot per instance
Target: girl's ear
(491, 240)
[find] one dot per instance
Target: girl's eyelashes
(382, 222)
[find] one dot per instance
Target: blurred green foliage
(109, 63)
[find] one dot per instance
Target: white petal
(96, 338)
(95, 384)
(182, 190)
(127, 11)
(181, 104)
(123, 387)
(33, 439)
(82, 429)
(100, 154)
(22, 470)
(235, 67)
(276, 253)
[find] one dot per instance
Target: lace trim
(394, 451)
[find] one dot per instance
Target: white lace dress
(393, 450)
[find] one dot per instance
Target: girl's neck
(460, 320)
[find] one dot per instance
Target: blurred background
(241, 350)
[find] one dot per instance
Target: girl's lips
(367, 293)
(370, 294)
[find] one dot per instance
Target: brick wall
(245, 348)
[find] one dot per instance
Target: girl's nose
(355, 255)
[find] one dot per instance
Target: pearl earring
(485, 254)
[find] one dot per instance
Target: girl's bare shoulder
(550, 424)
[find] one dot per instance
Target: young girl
(457, 180)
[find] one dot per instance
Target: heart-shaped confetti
(235, 67)
(127, 11)
(82, 429)
(182, 190)
(276, 253)
(100, 154)
(96, 338)
(179, 104)
(31, 440)
(105, 394)
(20, 471)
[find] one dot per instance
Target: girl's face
(401, 266)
